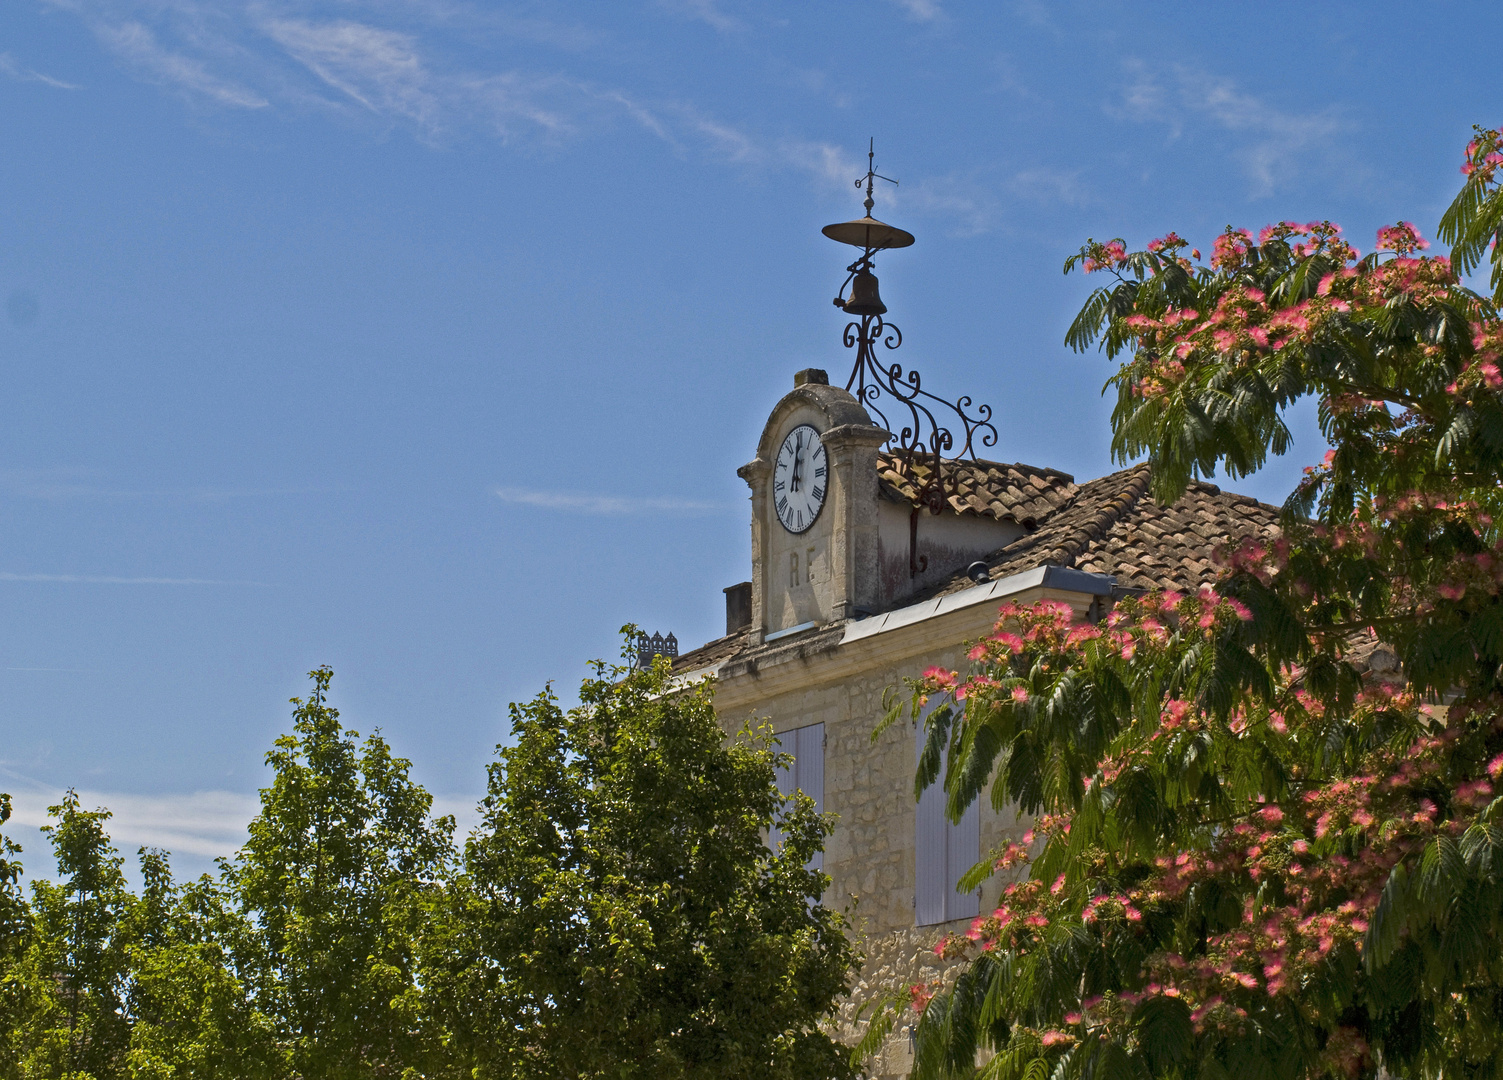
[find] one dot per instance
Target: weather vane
(922, 443)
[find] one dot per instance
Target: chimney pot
(738, 608)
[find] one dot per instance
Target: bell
(864, 299)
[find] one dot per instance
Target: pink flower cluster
(920, 994)
(1483, 157)
(1106, 256)
(1260, 557)
(1170, 241)
(1403, 238)
(1229, 250)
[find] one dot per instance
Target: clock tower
(814, 510)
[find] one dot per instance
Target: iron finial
(872, 174)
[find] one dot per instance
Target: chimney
(738, 607)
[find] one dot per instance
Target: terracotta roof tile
(712, 652)
(1022, 493)
(1113, 526)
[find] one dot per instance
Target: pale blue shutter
(929, 858)
(962, 850)
(943, 852)
(806, 773)
(809, 763)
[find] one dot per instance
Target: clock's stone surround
(829, 571)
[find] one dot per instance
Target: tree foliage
(620, 913)
(1256, 853)
(617, 914)
(341, 867)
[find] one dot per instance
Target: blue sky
(423, 338)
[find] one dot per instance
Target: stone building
(855, 586)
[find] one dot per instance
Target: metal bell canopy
(921, 444)
(867, 232)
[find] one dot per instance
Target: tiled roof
(1108, 526)
(1113, 526)
(712, 652)
(1022, 493)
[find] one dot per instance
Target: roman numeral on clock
(818, 493)
(783, 505)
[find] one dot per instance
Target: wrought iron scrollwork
(921, 439)
(921, 434)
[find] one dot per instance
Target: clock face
(799, 479)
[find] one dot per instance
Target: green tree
(1254, 854)
(76, 967)
(191, 1013)
(620, 914)
(336, 878)
(16, 996)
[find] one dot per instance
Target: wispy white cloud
(708, 12)
(1277, 142)
(10, 68)
(102, 579)
(73, 484)
(55, 670)
(921, 10)
(138, 46)
(1046, 184)
(611, 505)
(1035, 13)
(978, 202)
(827, 164)
(433, 68)
(379, 69)
(203, 823)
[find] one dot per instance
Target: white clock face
(799, 479)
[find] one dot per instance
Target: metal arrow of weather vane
(922, 441)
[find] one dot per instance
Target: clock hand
(798, 457)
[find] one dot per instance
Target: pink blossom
(941, 676)
(1010, 642)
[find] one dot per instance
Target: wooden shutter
(943, 851)
(806, 773)
(809, 763)
(962, 849)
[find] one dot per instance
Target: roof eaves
(1049, 577)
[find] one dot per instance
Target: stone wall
(870, 857)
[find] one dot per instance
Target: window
(944, 851)
(806, 773)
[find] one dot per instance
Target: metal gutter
(1063, 578)
(790, 631)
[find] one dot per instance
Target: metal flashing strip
(799, 629)
(1050, 577)
(710, 671)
